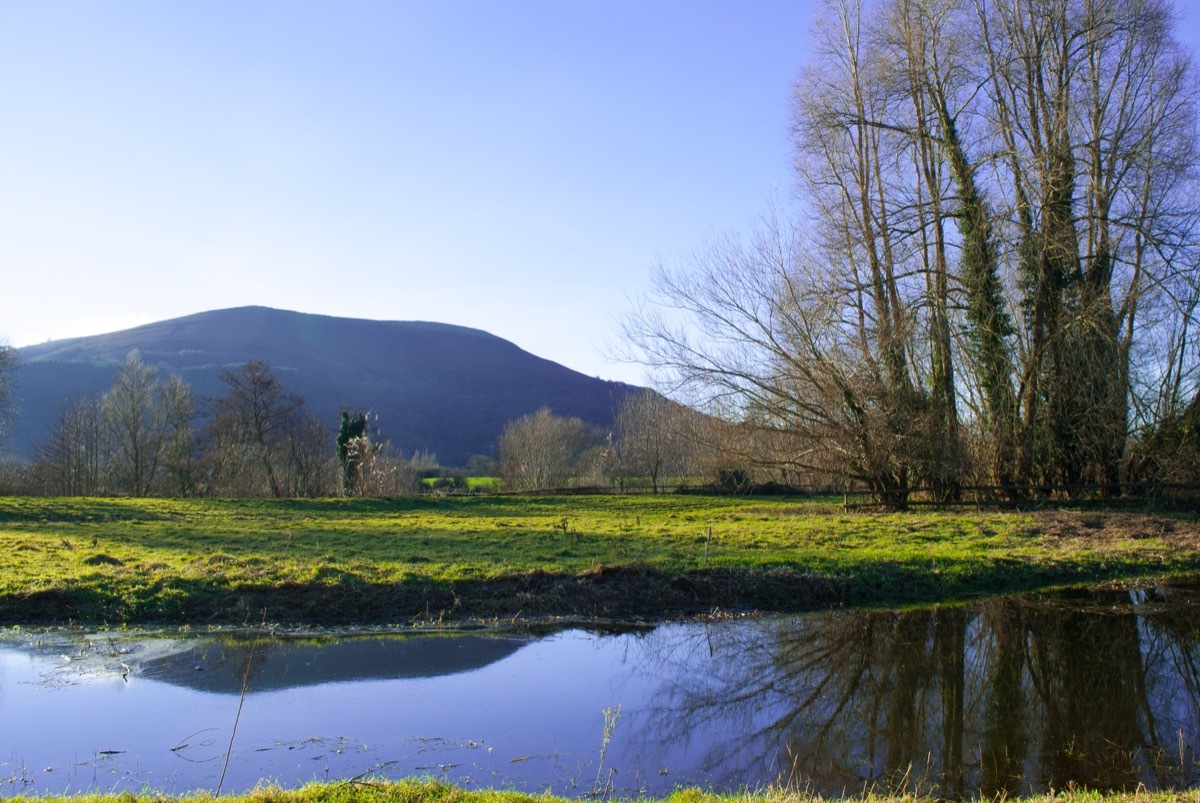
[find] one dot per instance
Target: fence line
(1017, 495)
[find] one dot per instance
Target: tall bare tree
(1095, 105)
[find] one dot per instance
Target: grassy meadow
(434, 559)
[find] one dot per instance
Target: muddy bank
(615, 593)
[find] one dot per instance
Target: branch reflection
(1018, 695)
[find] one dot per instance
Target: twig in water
(611, 717)
(185, 743)
(241, 701)
(608, 784)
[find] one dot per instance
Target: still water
(1098, 688)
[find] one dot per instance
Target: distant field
(429, 559)
(481, 484)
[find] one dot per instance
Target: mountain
(446, 389)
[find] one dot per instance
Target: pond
(1014, 695)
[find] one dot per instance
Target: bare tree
(652, 437)
(74, 458)
(143, 419)
(262, 441)
(542, 451)
(307, 450)
(180, 461)
(779, 342)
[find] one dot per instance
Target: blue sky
(516, 166)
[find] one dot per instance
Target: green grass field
(429, 559)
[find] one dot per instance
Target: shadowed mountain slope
(448, 389)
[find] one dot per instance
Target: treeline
(655, 445)
(142, 438)
(992, 275)
(149, 434)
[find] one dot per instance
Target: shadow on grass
(625, 592)
(74, 510)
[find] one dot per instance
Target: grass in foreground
(404, 561)
(437, 792)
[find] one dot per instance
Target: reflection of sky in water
(844, 701)
(69, 714)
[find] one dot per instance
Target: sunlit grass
(388, 561)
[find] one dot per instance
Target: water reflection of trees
(1092, 688)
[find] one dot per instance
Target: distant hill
(447, 389)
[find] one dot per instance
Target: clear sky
(512, 165)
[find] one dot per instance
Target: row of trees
(655, 443)
(140, 438)
(993, 276)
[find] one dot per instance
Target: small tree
(480, 465)
(384, 473)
